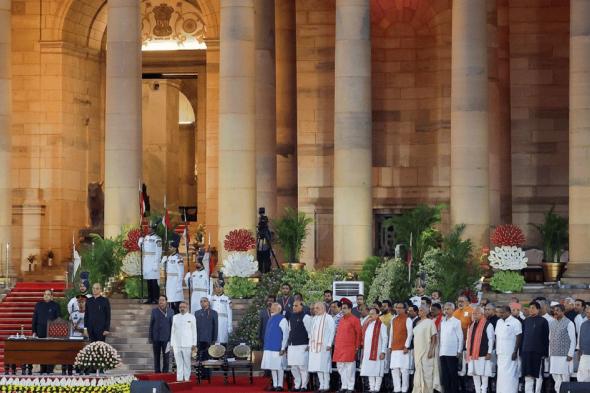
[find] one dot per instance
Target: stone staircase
(129, 331)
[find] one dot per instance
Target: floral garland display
(507, 258)
(131, 264)
(508, 254)
(98, 355)
(118, 384)
(240, 240)
(132, 242)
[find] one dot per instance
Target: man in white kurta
(450, 349)
(298, 350)
(583, 374)
(183, 340)
(276, 336)
(562, 344)
(222, 304)
(399, 343)
(374, 350)
(508, 337)
(198, 283)
(151, 250)
(174, 264)
(479, 343)
(323, 330)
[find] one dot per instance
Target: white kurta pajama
(199, 286)
(508, 370)
(559, 367)
(323, 330)
(374, 369)
(298, 358)
(480, 369)
(222, 304)
(174, 272)
(274, 361)
(183, 338)
(400, 363)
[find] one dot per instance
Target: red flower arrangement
(130, 244)
(239, 240)
(508, 235)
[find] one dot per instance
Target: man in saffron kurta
(275, 346)
(400, 339)
(346, 345)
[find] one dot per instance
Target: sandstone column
(579, 141)
(5, 108)
(266, 140)
(469, 120)
(237, 162)
(352, 134)
(212, 141)
(123, 116)
(286, 104)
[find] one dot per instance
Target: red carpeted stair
(242, 384)
(17, 308)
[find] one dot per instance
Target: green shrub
(507, 281)
(391, 282)
(240, 288)
(132, 287)
(319, 281)
(103, 260)
(367, 273)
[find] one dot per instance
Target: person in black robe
(45, 311)
(97, 318)
(535, 346)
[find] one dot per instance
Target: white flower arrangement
(239, 264)
(508, 258)
(67, 382)
(131, 264)
(98, 355)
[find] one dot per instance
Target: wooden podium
(29, 351)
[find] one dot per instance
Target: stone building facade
(349, 110)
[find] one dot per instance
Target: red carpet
(216, 386)
(17, 308)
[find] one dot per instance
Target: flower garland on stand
(99, 356)
(239, 264)
(119, 384)
(507, 258)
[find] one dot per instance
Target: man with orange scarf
(480, 342)
(346, 345)
(400, 341)
(374, 350)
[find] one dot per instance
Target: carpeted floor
(242, 384)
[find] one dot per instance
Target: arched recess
(411, 62)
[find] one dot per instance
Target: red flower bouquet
(239, 240)
(508, 235)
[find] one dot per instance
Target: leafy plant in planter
(507, 281)
(554, 232)
(240, 288)
(290, 232)
(367, 274)
(391, 281)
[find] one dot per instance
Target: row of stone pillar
(246, 181)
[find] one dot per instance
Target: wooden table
(51, 351)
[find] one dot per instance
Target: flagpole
(410, 261)
(188, 260)
(165, 220)
(142, 239)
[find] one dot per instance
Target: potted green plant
(554, 234)
(290, 232)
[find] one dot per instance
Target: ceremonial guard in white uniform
(151, 246)
(199, 283)
(222, 304)
(174, 265)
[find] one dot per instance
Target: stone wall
(539, 74)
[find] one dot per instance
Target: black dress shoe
(278, 389)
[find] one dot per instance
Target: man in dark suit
(159, 333)
(206, 330)
(45, 311)
(97, 318)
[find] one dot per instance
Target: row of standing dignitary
(183, 334)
